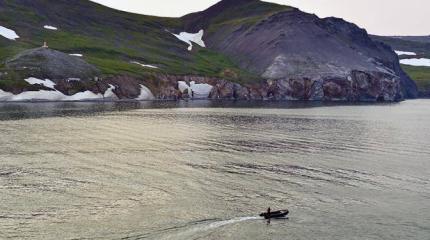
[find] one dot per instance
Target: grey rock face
(358, 86)
(292, 46)
(52, 64)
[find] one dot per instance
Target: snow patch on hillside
(8, 33)
(195, 90)
(50, 27)
(76, 54)
(145, 94)
(191, 38)
(405, 53)
(109, 94)
(183, 86)
(87, 95)
(200, 90)
(4, 96)
(47, 83)
(144, 65)
(418, 62)
(55, 95)
(31, 95)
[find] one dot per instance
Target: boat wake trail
(205, 226)
(219, 224)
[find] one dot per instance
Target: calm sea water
(198, 171)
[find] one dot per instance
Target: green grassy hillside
(109, 39)
(112, 39)
(419, 47)
(421, 75)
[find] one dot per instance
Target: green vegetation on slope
(421, 75)
(245, 15)
(421, 48)
(109, 39)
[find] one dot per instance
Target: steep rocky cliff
(294, 47)
(236, 49)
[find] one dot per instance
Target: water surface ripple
(205, 170)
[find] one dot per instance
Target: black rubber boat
(276, 214)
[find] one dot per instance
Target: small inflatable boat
(276, 214)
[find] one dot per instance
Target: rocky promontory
(71, 75)
(236, 49)
(298, 50)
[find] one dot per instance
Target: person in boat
(274, 214)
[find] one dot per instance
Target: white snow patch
(183, 86)
(195, 90)
(87, 95)
(109, 94)
(8, 33)
(37, 95)
(47, 83)
(145, 93)
(419, 62)
(201, 90)
(56, 95)
(4, 96)
(76, 55)
(144, 65)
(50, 27)
(405, 53)
(191, 38)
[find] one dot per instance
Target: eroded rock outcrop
(298, 51)
(358, 86)
(55, 65)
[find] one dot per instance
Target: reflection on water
(205, 170)
(23, 110)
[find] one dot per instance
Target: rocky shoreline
(359, 86)
(57, 76)
(234, 50)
